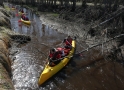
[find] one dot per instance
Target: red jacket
(23, 17)
(55, 55)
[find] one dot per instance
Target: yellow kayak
(49, 71)
(13, 8)
(25, 22)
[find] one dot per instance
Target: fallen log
(113, 15)
(100, 43)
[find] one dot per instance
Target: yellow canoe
(49, 71)
(13, 8)
(25, 22)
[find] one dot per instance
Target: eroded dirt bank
(5, 62)
(6, 38)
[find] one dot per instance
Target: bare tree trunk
(33, 2)
(27, 1)
(55, 2)
(74, 6)
(66, 3)
(61, 1)
(83, 3)
(51, 2)
(41, 2)
(1, 2)
(95, 3)
(44, 1)
(115, 6)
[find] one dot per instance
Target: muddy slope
(6, 38)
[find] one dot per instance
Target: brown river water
(88, 71)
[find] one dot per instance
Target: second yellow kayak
(25, 22)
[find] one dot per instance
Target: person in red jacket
(54, 56)
(26, 18)
(23, 17)
(68, 42)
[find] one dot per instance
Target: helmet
(53, 50)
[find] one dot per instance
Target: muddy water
(89, 71)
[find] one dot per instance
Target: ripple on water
(25, 71)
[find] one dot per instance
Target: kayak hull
(25, 22)
(49, 71)
(13, 8)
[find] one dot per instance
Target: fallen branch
(100, 43)
(113, 16)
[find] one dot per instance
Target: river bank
(7, 38)
(5, 62)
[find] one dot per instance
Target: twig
(101, 43)
(118, 13)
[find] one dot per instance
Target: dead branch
(113, 15)
(100, 43)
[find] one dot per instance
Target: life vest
(59, 49)
(26, 18)
(55, 55)
(23, 17)
(66, 51)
